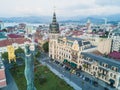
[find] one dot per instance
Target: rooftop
(73, 39)
(100, 59)
(115, 55)
(14, 36)
(7, 42)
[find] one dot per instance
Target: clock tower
(53, 37)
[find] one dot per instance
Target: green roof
(21, 30)
(2, 37)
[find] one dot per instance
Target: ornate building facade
(78, 52)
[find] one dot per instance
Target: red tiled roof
(7, 42)
(115, 55)
(77, 33)
(36, 40)
(14, 36)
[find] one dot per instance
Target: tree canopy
(37, 54)
(19, 50)
(5, 55)
(46, 46)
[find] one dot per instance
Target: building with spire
(54, 26)
(88, 25)
(77, 53)
(53, 35)
(64, 48)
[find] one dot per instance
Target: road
(11, 85)
(72, 77)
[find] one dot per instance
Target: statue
(11, 53)
(29, 66)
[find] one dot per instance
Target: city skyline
(15, 8)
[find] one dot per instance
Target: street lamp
(83, 85)
(70, 75)
(93, 80)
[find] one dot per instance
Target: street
(11, 85)
(72, 77)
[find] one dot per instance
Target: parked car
(57, 62)
(61, 65)
(90, 81)
(73, 72)
(67, 68)
(83, 78)
(78, 74)
(87, 79)
(95, 83)
(105, 88)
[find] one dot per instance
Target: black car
(61, 65)
(78, 74)
(105, 88)
(87, 79)
(95, 84)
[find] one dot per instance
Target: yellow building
(11, 53)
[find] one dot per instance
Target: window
(111, 74)
(116, 69)
(69, 56)
(105, 78)
(115, 76)
(93, 67)
(96, 68)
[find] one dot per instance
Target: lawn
(49, 80)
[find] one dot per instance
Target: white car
(83, 78)
(80, 76)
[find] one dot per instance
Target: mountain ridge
(47, 19)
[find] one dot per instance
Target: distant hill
(76, 19)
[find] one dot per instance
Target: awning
(73, 65)
(65, 60)
(112, 81)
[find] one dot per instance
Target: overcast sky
(9, 8)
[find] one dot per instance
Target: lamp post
(92, 82)
(70, 76)
(83, 85)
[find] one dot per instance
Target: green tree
(5, 55)
(19, 50)
(15, 65)
(106, 33)
(37, 54)
(46, 46)
(5, 30)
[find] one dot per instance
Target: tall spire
(54, 26)
(54, 17)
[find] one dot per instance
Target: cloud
(108, 2)
(63, 7)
